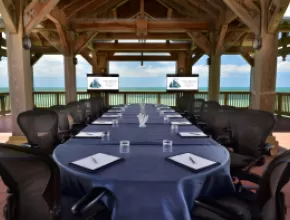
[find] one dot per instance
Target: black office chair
(249, 131)
(78, 112)
(195, 111)
(64, 127)
(33, 182)
(268, 203)
(208, 110)
(40, 127)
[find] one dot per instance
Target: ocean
(147, 89)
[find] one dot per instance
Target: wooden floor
(281, 132)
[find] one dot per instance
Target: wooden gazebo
(191, 29)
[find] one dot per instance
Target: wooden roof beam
(141, 47)
(53, 39)
(79, 5)
(139, 58)
(201, 41)
(197, 56)
(129, 26)
(84, 41)
(250, 17)
(250, 60)
(36, 11)
(7, 15)
(205, 7)
(222, 35)
(86, 55)
(280, 7)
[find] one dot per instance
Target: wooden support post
(214, 78)
(263, 90)
(70, 78)
(184, 63)
(20, 80)
(100, 63)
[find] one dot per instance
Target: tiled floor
(282, 134)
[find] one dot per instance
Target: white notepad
(165, 110)
(90, 134)
(192, 161)
(173, 116)
(96, 161)
(180, 123)
(192, 134)
(110, 116)
(102, 122)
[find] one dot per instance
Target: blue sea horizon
(145, 89)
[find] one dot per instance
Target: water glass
(161, 113)
(124, 147)
(167, 146)
(120, 115)
(166, 119)
(106, 136)
(115, 123)
(174, 128)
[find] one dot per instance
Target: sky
(235, 72)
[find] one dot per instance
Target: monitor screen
(182, 83)
(107, 83)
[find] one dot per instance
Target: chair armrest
(219, 209)
(224, 140)
(89, 200)
(247, 176)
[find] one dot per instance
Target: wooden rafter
(219, 47)
(99, 7)
(86, 55)
(129, 26)
(197, 56)
(79, 5)
(250, 60)
(169, 13)
(36, 11)
(232, 38)
(201, 41)
(141, 47)
(205, 7)
(7, 16)
(83, 41)
(280, 7)
(35, 58)
(250, 17)
(53, 39)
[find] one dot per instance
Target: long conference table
(145, 186)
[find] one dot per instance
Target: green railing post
(280, 100)
(2, 110)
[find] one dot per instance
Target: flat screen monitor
(103, 83)
(182, 83)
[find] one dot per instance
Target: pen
(93, 159)
(191, 160)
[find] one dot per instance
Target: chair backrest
(33, 182)
(40, 126)
(77, 111)
(221, 123)
(63, 117)
(250, 129)
(269, 196)
(196, 106)
(88, 108)
(208, 109)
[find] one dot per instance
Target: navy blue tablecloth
(153, 134)
(145, 185)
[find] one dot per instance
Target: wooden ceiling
(84, 23)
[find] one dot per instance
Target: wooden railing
(237, 99)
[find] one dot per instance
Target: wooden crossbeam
(250, 18)
(205, 7)
(36, 11)
(84, 41)
(232, 38)
(35, 58)
(80, 5)
(129, 26)
(53, 39)
(250, 60)
(279, 11)
(220, 47)
(7, 16)
(201, 41)
(86, 55)
(141, 47)
(139, 58)
(196, 58)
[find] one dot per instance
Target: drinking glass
(115, 123)
(166, 119)
(124, 147)
(106, 135)
(120, 115)
(174, 128)
(161, 113)
(167, 146)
